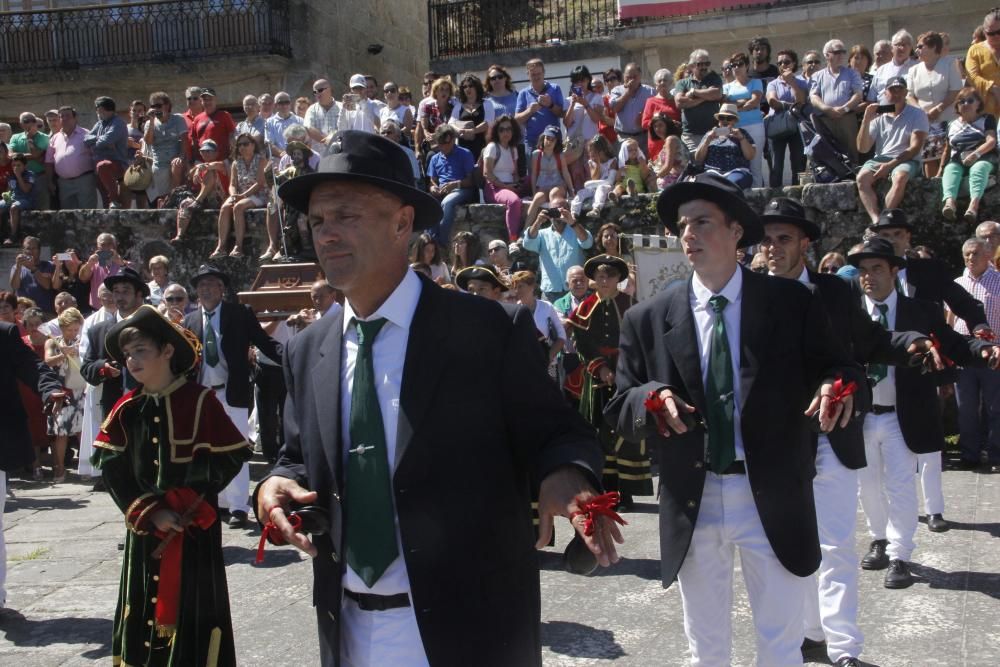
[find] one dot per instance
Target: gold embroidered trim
(133, 526)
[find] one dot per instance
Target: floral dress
(69, 420)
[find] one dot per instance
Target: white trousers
(598, 194)
(888, 487)
(377, 638)
(3, 543)
(728, 520)
(90, 426)
(759, 136)
(832, 593)
(930, 482)
(236, 496)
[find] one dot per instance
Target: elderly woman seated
(726, 150)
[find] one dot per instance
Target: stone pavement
(64, 568)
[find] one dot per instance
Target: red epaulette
(581, 316)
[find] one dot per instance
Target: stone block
(830, 197)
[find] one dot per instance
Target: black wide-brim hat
(206, 270)
(148, 320)
(366, 158)
(718, 190)
(128, 275)
(791, 212)
(484, 273)
(890, 218)
(876, 248)
(617, 263)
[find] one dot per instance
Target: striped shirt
(986, 288)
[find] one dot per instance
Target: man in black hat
(905, 418)
(481, 281)
(129, 291)
(409, 500)
(831, 626)
(226, 331)
(723, 372)
(898, 137)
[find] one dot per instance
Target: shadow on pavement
(992, 529)
(644, 568)
(987, 583)
(22, 631)
(45, 503)
(580, 641)
(273, 556)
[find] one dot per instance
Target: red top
(608, 131)
(657, 105)
(218, 127)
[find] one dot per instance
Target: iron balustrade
(472, 27)
(148, 32)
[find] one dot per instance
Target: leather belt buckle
(217, 387)
(372, 602)
(883, 409)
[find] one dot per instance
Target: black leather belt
(217, 387)
(883, 409)
(735, 468)
(371, 602)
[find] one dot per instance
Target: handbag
(780, 125)
(139, 176)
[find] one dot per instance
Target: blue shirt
(108, 140)
(784, 92)
(541, 118)
(625, 119)
(556, 254)
(836, 89)
(455, 166)
(275, 126)
(504, 105)
(734, 90)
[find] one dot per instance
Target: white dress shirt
(884, 393)
(903, 284)
(704, 317)
(388, 356)
(213, 376)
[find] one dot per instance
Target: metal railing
(472, 27)
(147, 32)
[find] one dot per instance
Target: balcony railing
(147, 32)
(472, 27)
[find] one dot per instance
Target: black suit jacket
(865, 341)
(917, 405)
(932, 281)
(19, 363)
(477, 415)
(239, 329)
(786, 349)
(93, 363)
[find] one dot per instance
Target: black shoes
(238, 519)
(848, 662)
(937, 524)
(898, 575)
(876, 559)
(813, 650)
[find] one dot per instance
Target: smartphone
(351, 100)
(64, 256)
(722, 131)
(577, 90)
(886, 108)
(104, 257)
(552, 212)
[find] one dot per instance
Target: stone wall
(143, 234)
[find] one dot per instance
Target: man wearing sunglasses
(321, 116)
(212, 124)
(698, 99)
(983, 64)
(902, 49)
(275, 126)
(835, 92)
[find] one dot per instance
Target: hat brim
(218, 274)
(673, 197)
(462, 280)
(592, 264)
(296, 193)
(811, 229)
(894, 260)
(891, 225)
(148, 320)
(111, 281)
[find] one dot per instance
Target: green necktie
(719, 393)
(878, 372)
(371, 527)
(211, 344)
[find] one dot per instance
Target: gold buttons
(155, 440)
(699, 465)
(149, 622)
(156, 577)
(153, 600)
(691, 504)
(156, 420)
(146, 644)
(156, 462)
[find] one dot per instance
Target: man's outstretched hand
(558, 496)
(273, 499)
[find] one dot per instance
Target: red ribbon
(602, 505)
(840, 392)
(655, 405)
(168, 592)
(271, 532)
(985, 334)
(936, 344)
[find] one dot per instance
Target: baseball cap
(358, 80)
(207, 91)
(551, 131)
(895, 82)
(208, 145)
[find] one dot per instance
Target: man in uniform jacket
(16, 452)
(424, 476)
(128, 290)
(831, 613)
(747, 360)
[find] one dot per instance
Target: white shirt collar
(803, 277)
(398, 308)
(732, 291)
(890, 301)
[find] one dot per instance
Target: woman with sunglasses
(746, 94)
(500, 91)
(583, 115)
(503, 169)
(970, 151)
(982, 62)
(434, 111)
(606, 127)
(394, 109)
(933, 84)
(785, 94)
(831, 262)
(246, 190)
(726, 150)
(473, 116)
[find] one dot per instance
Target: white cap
(358, 80)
